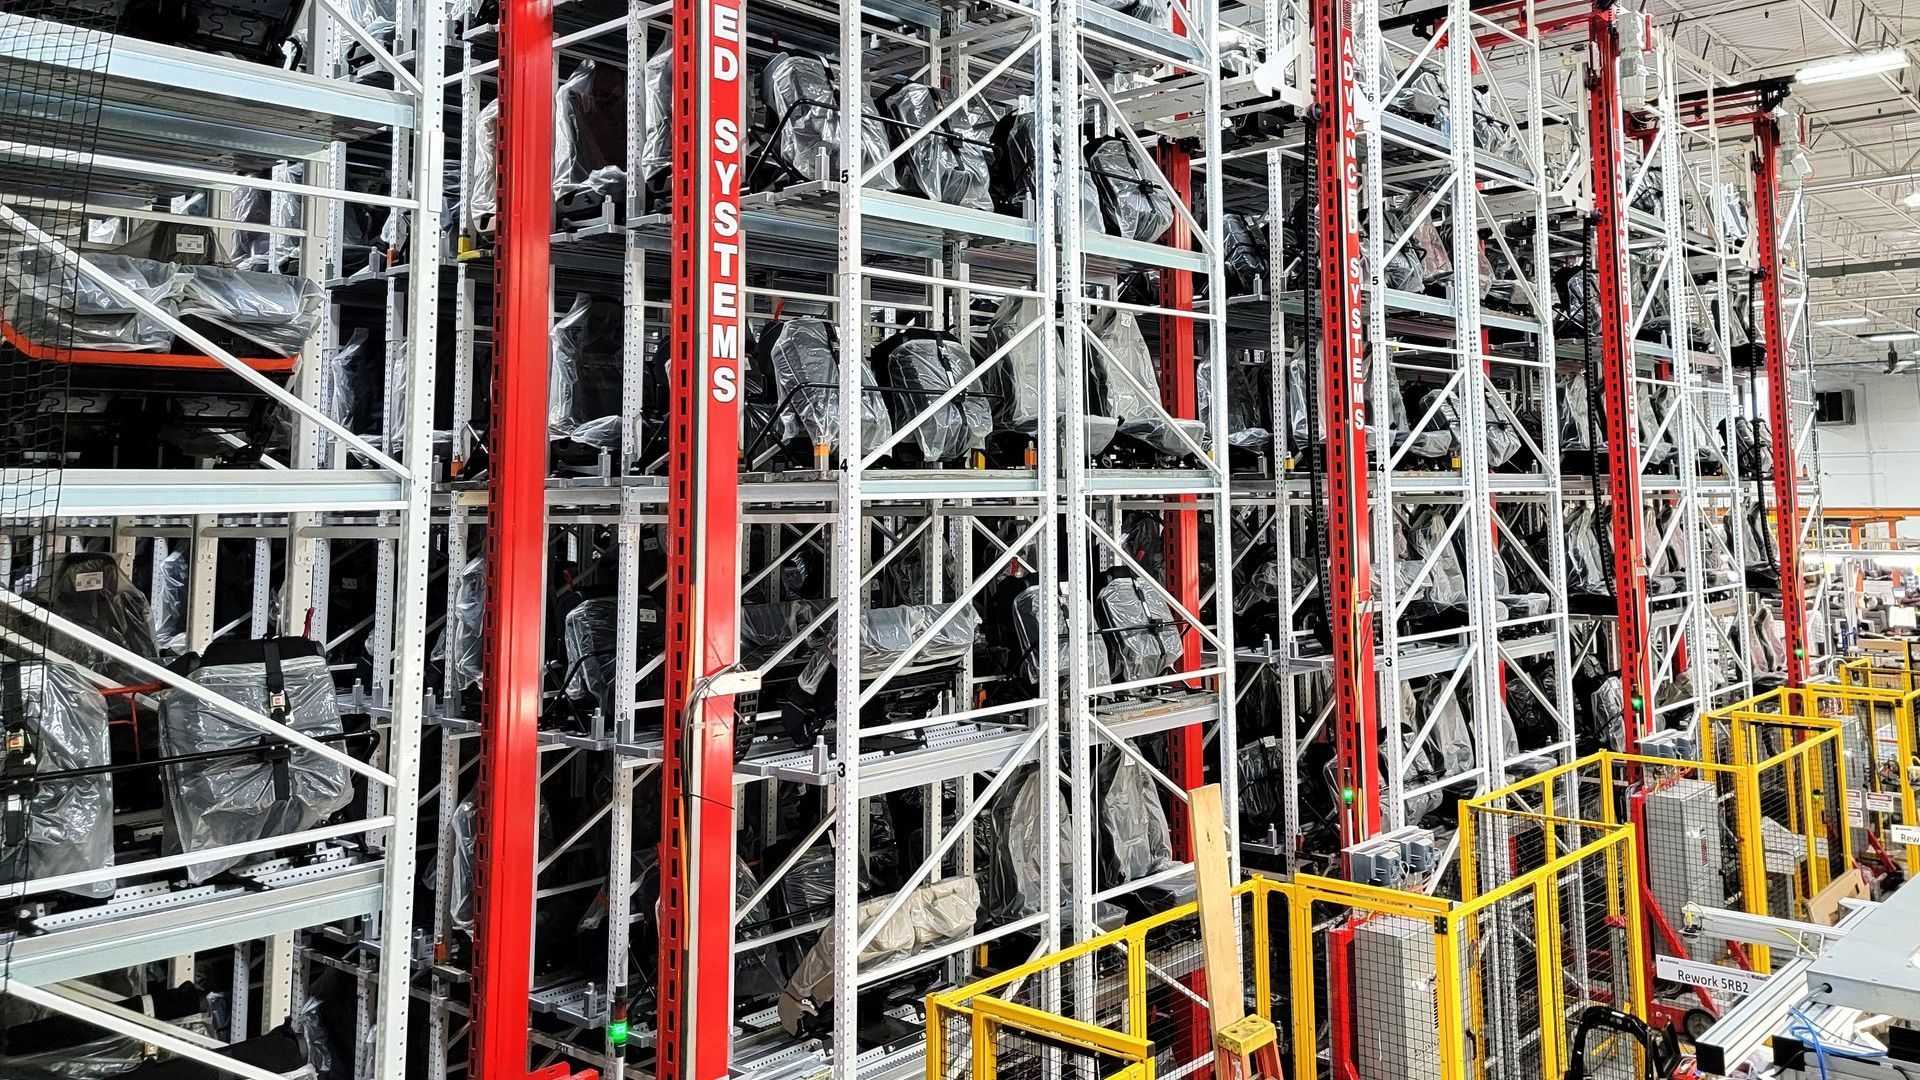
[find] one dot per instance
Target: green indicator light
(617, 1033)
(1346, 795)
(1638, 704)
(1799, 653)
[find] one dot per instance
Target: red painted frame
(507, 794)
(1343, 347)
(1604, 126)
(708, 334)
(1786, 486)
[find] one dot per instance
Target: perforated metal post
(1786, 479)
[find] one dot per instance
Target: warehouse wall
(1875, 461)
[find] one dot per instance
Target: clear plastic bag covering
(805, 105)
(374, 16)
(342, 395)
(933, 914)
(1245, 253)
(1014, 874)
(1441, 433)
(583, 374)
(69, 822)
(1133, 400)
(469, 615)
(1014, 382)
(170, 604)
(945, 165)
(1026, 632)
(1586, 568)
(484, 199)
(1132, 200)
(1133, 824)
(886, 634)
(587, 634)
(53, 304)
(1426, 536)
(1152, 12)
(1246, 427)
(460, 896)
(1138, 629)
(231, 800)
(803, 354)
(766, 628)
(920, 366)
(104, 1054)
(656, 146)
(308, 1022)
(589, 131)
(1451, 736)
(87, 588)
(756, 972)
(275, 311)
(1575, 423)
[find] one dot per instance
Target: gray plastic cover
(87, 588)
(805, 105)
(1136, 625)
(587, 633)
(944, 165)
(887, 633)
(583, 374)
(1126, 349)
(103, 1058)
(1426, 536)
(918, 372)
(1138, 842)
(460, 896)
(1015, 869)
(276, 311)
(806, 370)
(933, 915)
(469, 616)
(484, 199)
(231, 800)
(1244, 429)
(1132, 199)
(69, 822)
(656, 146)
(581, 161)
(1586, 569)
(54, 304)
(340, 391)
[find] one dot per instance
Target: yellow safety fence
(1484, 981)
(1883, 758)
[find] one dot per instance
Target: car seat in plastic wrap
(56, 307)
(932, 915)
(886, 633)
(248, 796)
(1138, 628)
(1013, 168)
(354, 387)
(590, 140)
(1013, 383)
(583, 382)
(1133, 201)
(87, 587)
(918, 366)
(1012, 846)
(945, 165)
(1248, 404)
(1151, 12)
(803, 105)
(57, 1047)
(59, 721)
(1133, 387)
(254, 310)
(1026, 635)
(1420, 536)
(1135, 840)
(799, 360)
(1245, 253)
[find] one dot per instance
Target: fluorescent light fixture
(1892, 335)
(1845, 320)
(1856, 66)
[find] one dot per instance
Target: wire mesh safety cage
(1361, 982)
(52, 88)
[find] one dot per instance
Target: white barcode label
(190, 244)
(91, 581)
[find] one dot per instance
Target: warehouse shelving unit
(174, 122)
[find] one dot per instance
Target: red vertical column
(1617, 370)
(1343, 347)
(508, 789)
(1786, 474)
(1178, 387)
(703, 528)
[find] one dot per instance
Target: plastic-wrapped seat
(804, 144)
(932, 915)
(802, 356)
(251, 794)
(919, 366)
(1014, 169)
(1026, 635)
(583, 374)
(944, 165)
(1132, 200)
(589, 138)
(68, 824)
(1012, 849)
(56, 305)
(57, 1047)
(1013, 384)
(87, 587)
(275, 312)
(1245, 253)
(1247, 404)
(1132, 400)
(1138, 628)
(1421, 538)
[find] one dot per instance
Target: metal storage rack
(175, 122)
